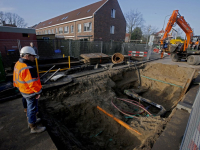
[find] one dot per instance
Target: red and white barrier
(137, 53)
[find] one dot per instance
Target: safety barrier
(137, 53)
(191, 139)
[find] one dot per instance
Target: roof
(162, 31)
(127, 35)
(16, 30)
(80, 13)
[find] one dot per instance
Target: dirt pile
(74, 122)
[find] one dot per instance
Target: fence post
(19, 45)
(101, 46)
(69, 47)
(122, 49)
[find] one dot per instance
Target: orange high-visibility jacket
(26, 79)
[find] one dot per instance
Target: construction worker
(32, 45)
(26, 79)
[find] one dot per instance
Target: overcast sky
(154, 11)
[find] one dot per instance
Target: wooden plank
(185, 88)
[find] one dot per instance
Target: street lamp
(149, 29)
(164, 22)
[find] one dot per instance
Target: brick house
(102, 20)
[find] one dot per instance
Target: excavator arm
(169, 26)
(177, 18)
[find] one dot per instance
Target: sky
(155, 12)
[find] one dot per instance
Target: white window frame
(79, 28)
(45, 31)
(113, 12)
(52, 31)
(66, 29)
(49, 31)
(56, 31)
(72, 28)
(112, 29)
(60, 29)
(88, 27)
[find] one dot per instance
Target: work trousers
(32, 109)
(24, 102)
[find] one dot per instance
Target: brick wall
(10, 35)
(103, 21)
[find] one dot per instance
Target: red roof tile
(73, 15)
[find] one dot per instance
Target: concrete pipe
(117, 58)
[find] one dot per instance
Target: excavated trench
(74, 122)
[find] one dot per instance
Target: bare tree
(149, 29)
(12, 18)
(134, 19)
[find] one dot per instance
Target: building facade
(102, 20)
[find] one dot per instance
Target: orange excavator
(189, 49)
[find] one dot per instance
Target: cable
(134, 103)
(122, 111)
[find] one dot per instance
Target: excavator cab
(195, 43)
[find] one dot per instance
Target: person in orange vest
(26, 79)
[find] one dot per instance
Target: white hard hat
(27, 50)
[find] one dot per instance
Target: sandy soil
(74, 122)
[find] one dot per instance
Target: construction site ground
(94, 126)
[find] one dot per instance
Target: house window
(113, 13)
(49, 31)
(52, 31)
(79, 27)
(72, 29)
(25, 35)
(60, 30)
(66, 30)
(112, 29)
(45, 31)
(45, 38)
(88, 26)
(56, 31)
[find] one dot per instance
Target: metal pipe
(139, 77)
(69, 61)
(51, 76)
(136, 96)
(37, 65)
(54, 70)
(47, 71)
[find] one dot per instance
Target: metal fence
(56, 48)
(191, 139)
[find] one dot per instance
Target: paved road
(167, 60)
